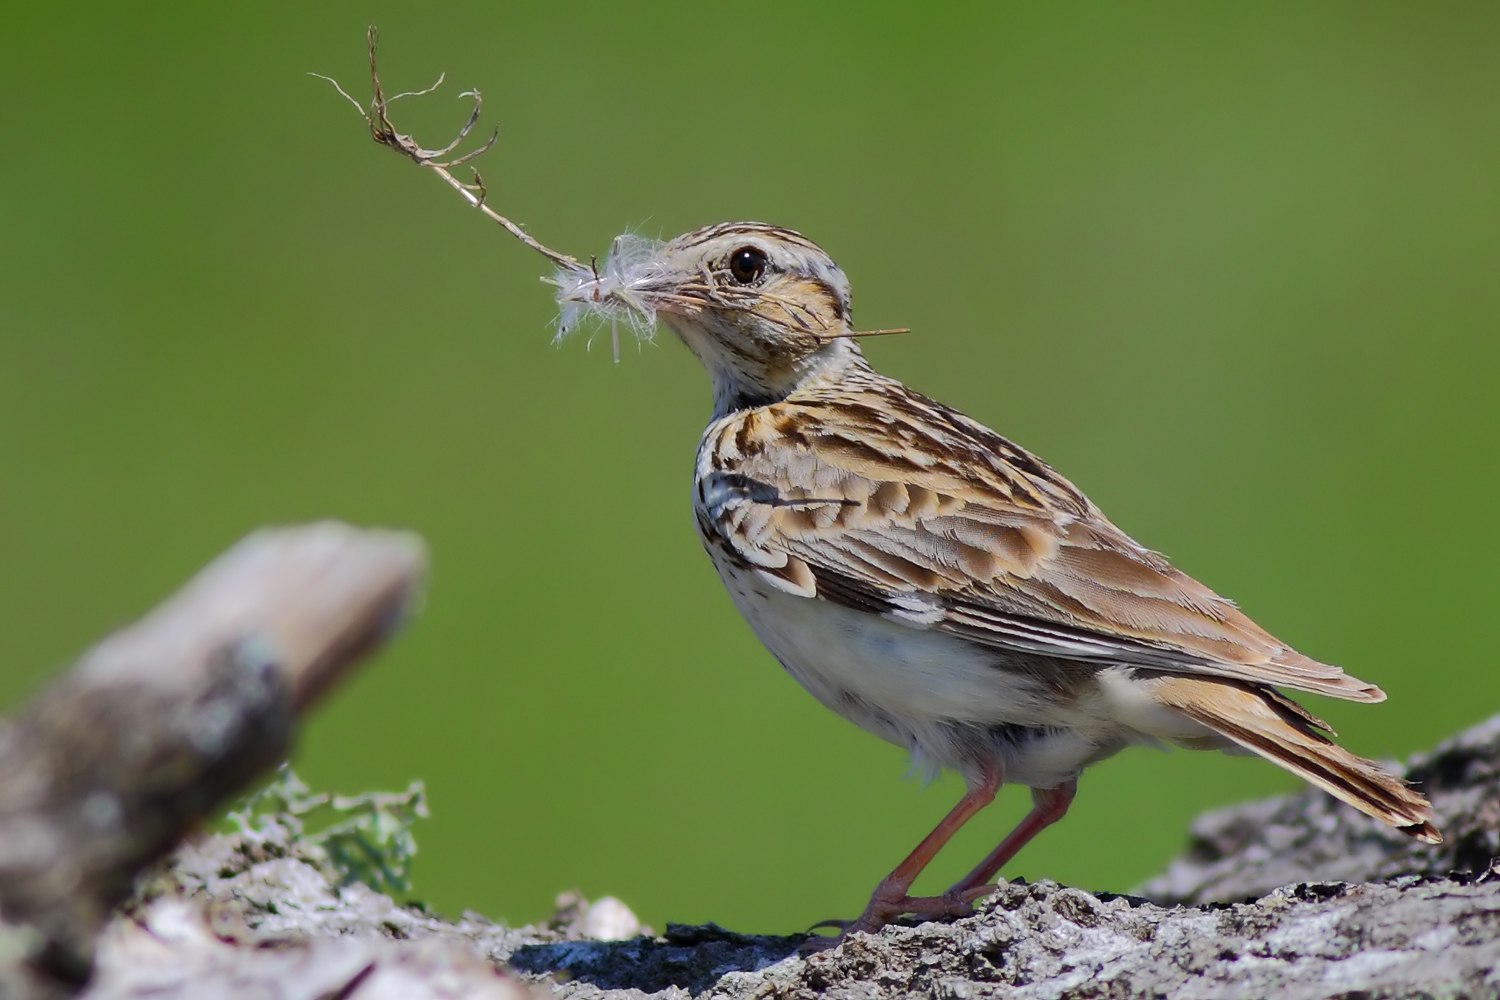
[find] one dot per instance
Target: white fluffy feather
(610, 292)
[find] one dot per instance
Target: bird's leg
(1048, 806)
(890, 898)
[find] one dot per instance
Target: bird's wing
(879, 499)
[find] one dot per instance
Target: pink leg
(1048, 806)
(890, 898)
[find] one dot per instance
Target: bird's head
(764, 308)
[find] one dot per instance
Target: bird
(940, 586)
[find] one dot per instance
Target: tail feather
(1268, 723)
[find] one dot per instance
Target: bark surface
(235, 916)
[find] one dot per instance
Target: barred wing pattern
(866, 494)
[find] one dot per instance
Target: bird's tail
(1266, 722)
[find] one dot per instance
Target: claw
(838, 925)
(881, 912)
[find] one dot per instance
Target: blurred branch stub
(166, 719)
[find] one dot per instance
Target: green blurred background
(1232, 268)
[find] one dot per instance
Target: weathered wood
(233, 913)
(164, 720)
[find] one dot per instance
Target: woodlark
(942, 587)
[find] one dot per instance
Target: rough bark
(233, 916)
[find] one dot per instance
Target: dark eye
(747, 264)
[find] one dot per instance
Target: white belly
(938, 695)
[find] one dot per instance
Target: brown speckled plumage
(946, 589)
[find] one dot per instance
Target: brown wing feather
(1283, 732)
(894, 503)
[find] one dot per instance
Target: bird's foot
(888, 903)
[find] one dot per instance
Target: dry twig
(377, 117)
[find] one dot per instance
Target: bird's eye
(747, 264)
